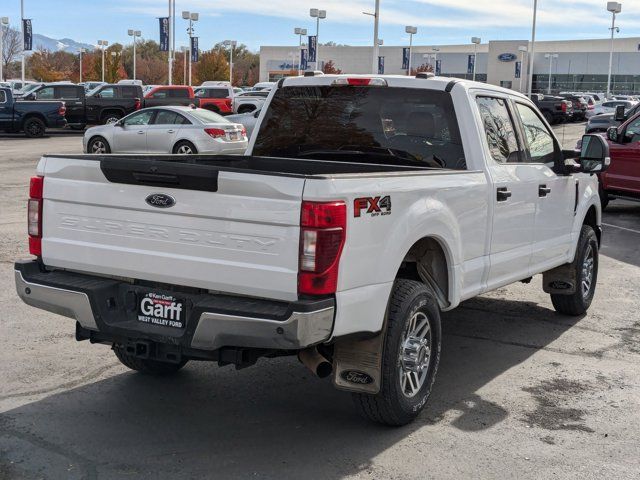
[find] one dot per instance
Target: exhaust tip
(324, 369)
(314, 361)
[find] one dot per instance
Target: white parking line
(622, 228)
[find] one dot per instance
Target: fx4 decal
(373, 206)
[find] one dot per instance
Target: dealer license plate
(162, 309)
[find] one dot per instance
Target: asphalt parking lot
(522, 392)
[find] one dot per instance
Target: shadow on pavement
(270, 421)
(618, 243)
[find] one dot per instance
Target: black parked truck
(32, 118)
(554, 109)
(105, 104)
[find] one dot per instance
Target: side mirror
(612, 134)
(620, 115)
(31, 96)
(594, 155)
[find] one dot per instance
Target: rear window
(68, 92)
(407, 126)
(129, 92)
(179, 93)
(206, 116)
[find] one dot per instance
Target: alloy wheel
(415, 354)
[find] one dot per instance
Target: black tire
(146, 366)
(579, 302)
(34, 127)
(93, 146)
(181, 148)
(392, 405)
(246, 109)
(110, 117)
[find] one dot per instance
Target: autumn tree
(425, 67)
(11, 47)
(47, 66)
(330, 68)
(212, 65)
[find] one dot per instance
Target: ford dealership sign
(507, 57)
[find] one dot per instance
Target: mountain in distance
(53, 45)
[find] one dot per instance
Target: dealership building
(580, 65)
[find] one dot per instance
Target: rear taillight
(244, 132)
(34, 215)
(564, 106)
(62, 111)
(322, 237)
(215, 132)
(138, 104)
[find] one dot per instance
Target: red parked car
(163, 95)
(216, 97)
(622, 179)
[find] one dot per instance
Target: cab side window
(140, 118)
(499, 129)
(159, 94)
(541, 147)
(45, 93)
(107, 92)
(65, 93)
(632, 134)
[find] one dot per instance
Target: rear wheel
(98, 145)
(185, 148)
(146, 366)
(34, 128)
(410, 357)
(110, 117)
(585, 266)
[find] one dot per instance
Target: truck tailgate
(239, 236)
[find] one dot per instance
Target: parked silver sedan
(181, 130)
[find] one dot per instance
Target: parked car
(610, 106)
(217, 98)
(32, 118)
(602, 122)
(248, 120)
(622, 178)
(106, 104)
(249, 101)
(579, 104)
(169, 95)
(263, 86)
(554, 109)
(183, 130)
(364, 207)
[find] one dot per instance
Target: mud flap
(561, 280)
(358, 364)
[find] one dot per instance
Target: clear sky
(271, 22)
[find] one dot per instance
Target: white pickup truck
(365, 206)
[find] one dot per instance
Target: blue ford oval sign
(160, 200)
(507, 57)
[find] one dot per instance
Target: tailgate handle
(159, 178)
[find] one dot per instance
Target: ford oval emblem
(160, 200)
(507, 57)
(357, 377)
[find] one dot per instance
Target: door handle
(503, 194)
(171, 131)
(140, 132)
(543, 191)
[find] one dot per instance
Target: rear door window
(129, 92)
(541, 146)
(3, 96)
(67, 93)
(167, 117)
(407, 126)
(179, 93)
(107, 92)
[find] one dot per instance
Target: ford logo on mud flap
(354, 376)
(160, 200)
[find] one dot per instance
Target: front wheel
(410, 357)
(98, 145)
(585, 266)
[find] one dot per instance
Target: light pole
(134, 34)
(614, 8)
(376, 42)
(411, 31)
(184, 51)
(81, 51)
(523, 51)
(550, 56)
(318, 15)
(476, 41)
(300, 32)
(102, 43)
(192, 17)
(231, 44)
(3, 21)
(532, 49)
(171, 39)
(22, 29)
